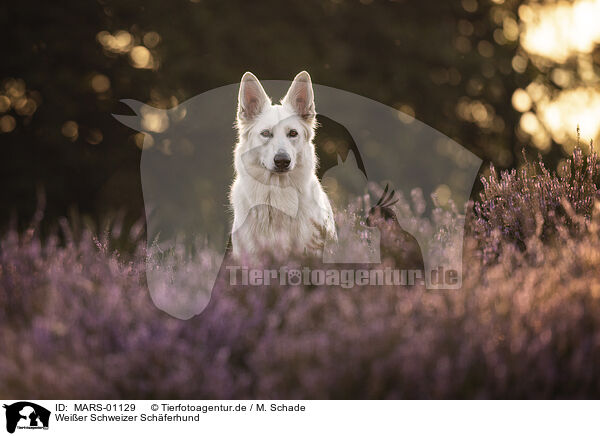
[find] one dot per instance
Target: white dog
(277, 200)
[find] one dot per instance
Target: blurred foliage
(454, 65)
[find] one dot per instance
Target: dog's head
(276, 140)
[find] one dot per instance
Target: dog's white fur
(283, 212)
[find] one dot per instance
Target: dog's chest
(267, 220)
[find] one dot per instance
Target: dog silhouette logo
(409, 176)
(26, 415)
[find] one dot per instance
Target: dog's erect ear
(252, 97)
(300, 96)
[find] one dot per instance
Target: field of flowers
(77, 320)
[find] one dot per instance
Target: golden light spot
(4, 103)
(485, 49)
(529, 123)
(542, 140)
(537, 91)
(123, 39)
(510, 29)
(479, 112)
(103, 37)
(498, 14)
(406, 113)
(7, 124)
(140, 57)
(469, 5)
(178, 114)
(560, 30)
(94, 136)
(521, 101)
(562, 115)
(151, 39)
(465, 27)
(19, 102)
(526, 13)
(586, 70)
(100, 83)
(442, 194)
(562, 78)
(15, 88)
(25, 106)
(70, 129)
(499, 36)
(143, 141)
(462, 109)
(519, 63)
(154, 120)
(120, 42)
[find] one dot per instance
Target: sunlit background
(559, 39)
(494, 75)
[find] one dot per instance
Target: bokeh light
(126, 43)
(151, 39)
(70, 129)
(15, 97)
(521, 100)
(120, 42)
(154, 120)
(572, 108)
(100, 83)
(7, 124)
(558, 39)
(94, 136)
(4, 103)
(559, 30)
(140, 57)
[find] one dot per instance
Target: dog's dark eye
(265, 133)
(292, 133)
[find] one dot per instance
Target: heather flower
(77, 320)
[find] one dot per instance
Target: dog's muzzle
(282, 162)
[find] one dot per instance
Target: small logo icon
(26, 415)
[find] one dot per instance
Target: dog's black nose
(282, 161)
